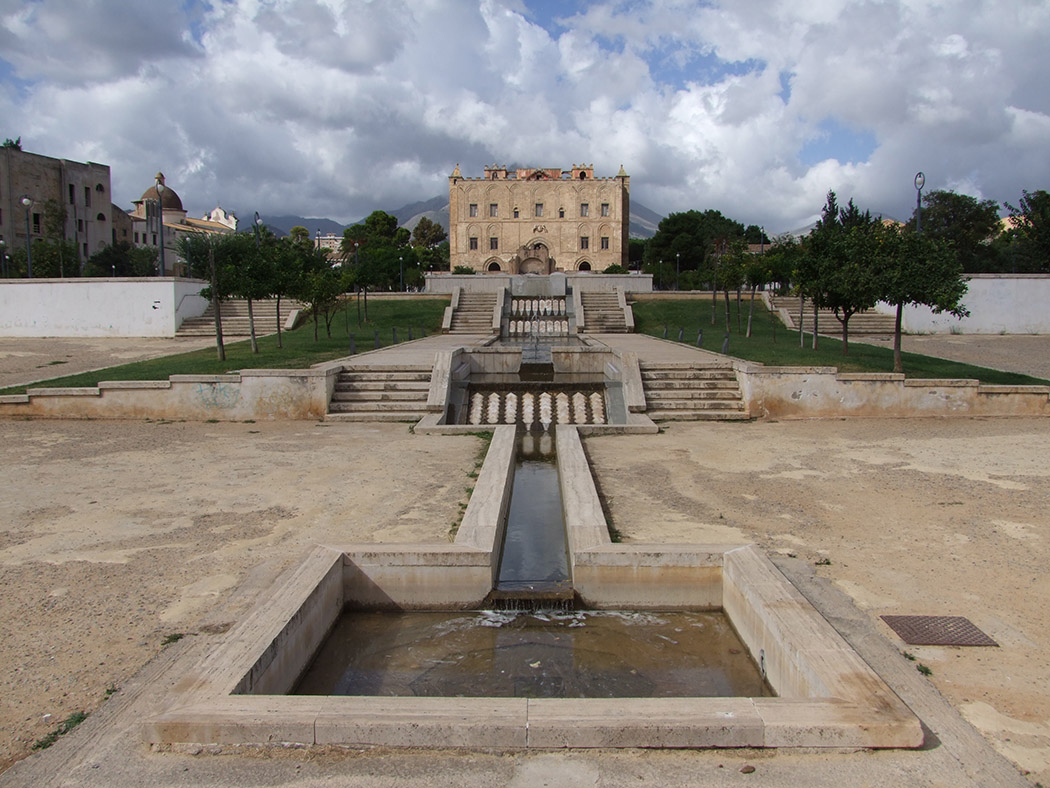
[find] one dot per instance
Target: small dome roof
(170, 201)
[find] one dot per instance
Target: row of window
(537, 210)
(585, 243)
(87, 193)
(36, 221)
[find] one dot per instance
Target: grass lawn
(299, 348)
(771, 343)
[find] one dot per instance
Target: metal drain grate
(938, 631)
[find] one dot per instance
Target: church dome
(170, 201)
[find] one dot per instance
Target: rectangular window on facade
(473, 244)
(493, 209)
(585, 209)
(136, 237)
(80, 225)
(585, 242)
(36, 223)
(515, 213)
(87, 195)
(561, 213)
(605, 242)
(539, 209)
(605, 209)
(85, 250)
(473, 209)
(72, 194)
(493, 244)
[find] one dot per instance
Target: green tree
(122, 259)
(916, 268)
(836, 270)
(299, 234)
(686, 242)
(217, 258)
(48, 259)
(965, 222)
(1031, 231)
(428, 234)
(731, 275)
(16, 144)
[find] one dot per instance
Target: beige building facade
(174, 222)
(81, 189)
(538, 221)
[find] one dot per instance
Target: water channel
(535, 645)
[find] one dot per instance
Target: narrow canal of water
(535, 556)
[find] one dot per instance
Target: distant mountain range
(644, 222)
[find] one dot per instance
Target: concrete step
(676, 395)
(406, 376)
(381, 385)
(373, 417)
(699, 404)
(672, 375)
(710, 415)
(378, 396)
(378, 408)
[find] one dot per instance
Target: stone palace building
(534, 220)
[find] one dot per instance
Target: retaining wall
(998, 304)
(823, 392)
(90, 307)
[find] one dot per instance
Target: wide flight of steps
(387, 393)
(473, 315)
(869, 322)
(602, 314)
(686, 391)
(235, 319)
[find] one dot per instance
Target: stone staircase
(602, 314)
(235, 319)
(473, 315)
(687, 391)
(387, 393)
(861, 323)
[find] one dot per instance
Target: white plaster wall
(998, 304)
(132, 307)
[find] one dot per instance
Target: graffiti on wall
(218, 396)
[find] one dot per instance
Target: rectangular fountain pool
(507, 654)
(826, 695)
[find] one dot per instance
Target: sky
(334, 108)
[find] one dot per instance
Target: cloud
(337, 107)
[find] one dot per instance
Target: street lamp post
(160, 219)
(401, 268)
(357, 280)
(677, 269)
(920, 181)
(3, 258)
(27, 203)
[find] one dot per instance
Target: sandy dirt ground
(908, 517)
(116, 535)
